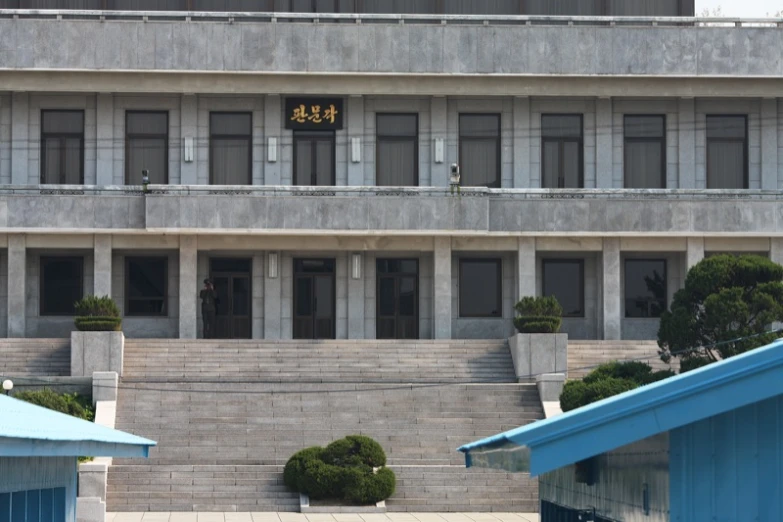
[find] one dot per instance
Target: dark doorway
(314, 299)
(398, 299)
(314, 158)
(232, 278)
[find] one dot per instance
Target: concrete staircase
(226, 423)
(35, 357)
(584, 356)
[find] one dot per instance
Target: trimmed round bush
(295, 467)
(538, 315)
(537, 324)
(633, 370)
(98, 324)
(321, 480)
(580, 393)
(97, 314)
(370, 488)
(355, 450)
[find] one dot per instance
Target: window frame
(219, 137)
(130, 136)
(560, 149)
(44, 260)
(498, 147)
(322, 135)
(627, 140)
(745, 149)
(127, 300)
(564, 261)
(498, 261)
(397, 139)
(61, 137)
(665, 288)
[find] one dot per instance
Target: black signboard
(313, 113)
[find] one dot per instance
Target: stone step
(35, 357)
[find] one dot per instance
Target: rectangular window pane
(230, 124)
(61, 284)
(147, 123)
(644, 8)
(645, 287)
(398, 125)
(62, 122)
(491, 7)
(644, 126)
(479, 150)
(397, 146)
(146, 286)
(314, 158)
(479, 125)
(148, 5)
(234, 5)
(726, 127)
(565, 279)
(564, 7)
(230, 161)
(561, 126)
(62, 147)
(561, 151)
(480, 292)
(727, 159)
(401, 6)
(146, 154)
(643, 165)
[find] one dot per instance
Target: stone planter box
(306, 507)
(96, 352)
(537, 354)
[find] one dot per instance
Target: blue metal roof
(634, 415)
(30, 430)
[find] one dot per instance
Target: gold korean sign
(314, 113)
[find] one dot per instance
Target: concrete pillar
(189, 130)
(105, 140)
(17, 275)
(769, 144)
(687, 143)
(694, 252)
(273, 121)
(612, 290)
(521, 126)
(257, 301)
(526, 267)
(188, 286)
(604, 176)
(273, 285)
(776, 250)
(355, 132)
(439, 129)
(102, 265)
(442, 288)
(20, 139)
(356, 296)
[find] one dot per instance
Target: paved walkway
(298, 517)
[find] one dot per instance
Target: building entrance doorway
(314, 299)
(397, 299)
(232, 279)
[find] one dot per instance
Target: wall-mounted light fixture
(271, 149)
(356, 266)
(356, 150)
(188, 152)
(439, 152)
(272, 264)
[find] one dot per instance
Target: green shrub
(97, 306)
(538, 315)
(71, 404)
(537, 324)
(580, 393)
(98, 324)
(633, 370)
(345, 471)
(691, 363)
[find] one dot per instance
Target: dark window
(146, 146)
(62, 284)
(562, 151)
(645, 152)
(147, 5)
(644, 8)
(145, 286)
(564, 7)
(401, 6)
(34, 505)
(727, 152)
(565, 280)
(230, 148)
(62, 147)
(397, 156)
(479, 150)
(645, 287)
(480, 288)
(491, 7)
(314, 158)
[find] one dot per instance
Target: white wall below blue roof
(29, 473)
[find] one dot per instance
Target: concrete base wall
(96, 352)
(538, 354)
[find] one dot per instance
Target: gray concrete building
(300, 156)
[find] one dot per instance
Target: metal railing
(360, 18)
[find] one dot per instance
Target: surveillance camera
(454, 168)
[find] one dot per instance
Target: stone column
(604, 175)
(612, 290)
(694, 252)
(20, 138)
(521, 128)
(273, 286)
(105, 140)
(17, 275)
(188, 287)
(687, 143)
(769, 144)
(356, 296)
(355, 131)
(439, 127)
(257, 289)
(776, 250)
(442, 288)
(273, 120)
(189, 129)
(102, 265)
(526, 267)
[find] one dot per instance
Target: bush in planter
(347, 470)
(97, 314)
(538, 315)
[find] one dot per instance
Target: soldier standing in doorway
(208, 308)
